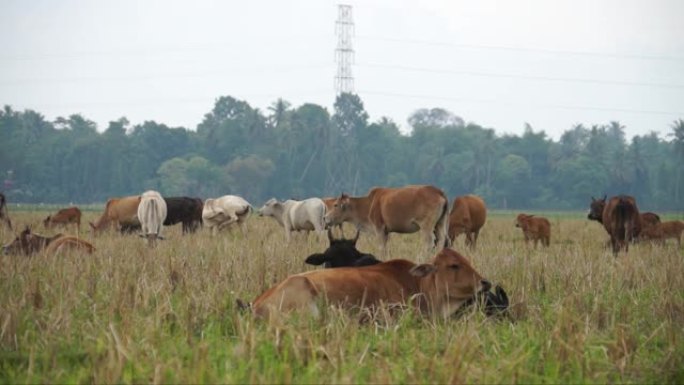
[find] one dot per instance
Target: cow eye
(454, 267)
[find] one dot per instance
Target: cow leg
(476, 234)
(384, 237)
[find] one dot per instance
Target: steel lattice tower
(344, 53)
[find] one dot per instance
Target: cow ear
(530, 216)
(423, 270)
(315, 259)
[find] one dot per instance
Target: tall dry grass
(131, 314)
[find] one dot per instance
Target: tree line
(305, 151)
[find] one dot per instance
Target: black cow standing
(185, 210)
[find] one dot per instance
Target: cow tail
(624, 217)
(442, 226)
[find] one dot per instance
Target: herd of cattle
(440, 287)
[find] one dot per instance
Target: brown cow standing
(664, 230)
(438, 288)
(396, 210)
(620, 217)
(3, 211)
(28, 243)
(64, 217)
(535, 229)
(467, 216)
(119, 211)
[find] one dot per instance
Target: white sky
(496, 63)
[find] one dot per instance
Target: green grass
(130, 314)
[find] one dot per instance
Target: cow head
(271, 208)
(20, 245)
(523, 220)
(46, 221)
(340, 212)
(596, 209)
(449, 282)
(341, 253)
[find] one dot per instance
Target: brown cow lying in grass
(664, 230)
(27, 243)
(534, 228)
(439, 288)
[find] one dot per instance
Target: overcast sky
(500, 64)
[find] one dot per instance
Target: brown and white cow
(664, 230)
(118, 211)
(468, 215)
(396, 210)
(64, 217)
(28, 243)
(534, 228)
(4, 216)
(438, 288)
(620, 217)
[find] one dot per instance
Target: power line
(518, 76)
(525, 49)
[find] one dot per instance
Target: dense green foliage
(305, 151)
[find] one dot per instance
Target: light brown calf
(467, 216)
(64, 217)
(664, 230)
(534, 228)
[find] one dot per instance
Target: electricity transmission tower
(344, 53)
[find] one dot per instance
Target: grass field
(130, 314)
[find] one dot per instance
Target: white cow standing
(295, 215)
(222, 212)
(151, 214)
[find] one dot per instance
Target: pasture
(130, 314)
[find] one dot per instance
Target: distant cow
(220, 213)
(620, 217)
(118, 211)
(396, 210)
(185, 210)
(439, 288)
(342, 253)
(64, 217)
(649, 219)
(3, 211)
(664, 230)
(152, 214)
(467, 216)
(28, 243)
(534, 228)
(306, 215)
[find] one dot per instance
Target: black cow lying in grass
(342, 253)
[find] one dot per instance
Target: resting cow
(64, 217)
(185, 210)
(118, 211)
(396, 210)
(3, 211)
(467, 216)
(342, 253)
(306, 215)
(222, 212)
(620, 217)
(649, 219)
(534, 228)
(664, 230)
(151, 213)
(439, 288)
(27, 243)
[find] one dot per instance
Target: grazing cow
(649, 219)
(396, 210)
(185, 210)
(3, 211)
(467, 216)
(534, 228)
(342, 253)
(27, 243)
(620, 217)
(306, 215)
(438, 288)
(118, 211)
(152, 214)
(664, 230)
(222, 212)
(64, 217)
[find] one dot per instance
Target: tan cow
(64, 217)
(118, 211)
(468, 215)
(396, 210)
(438, 288)
(664, 230)
(534, 228)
